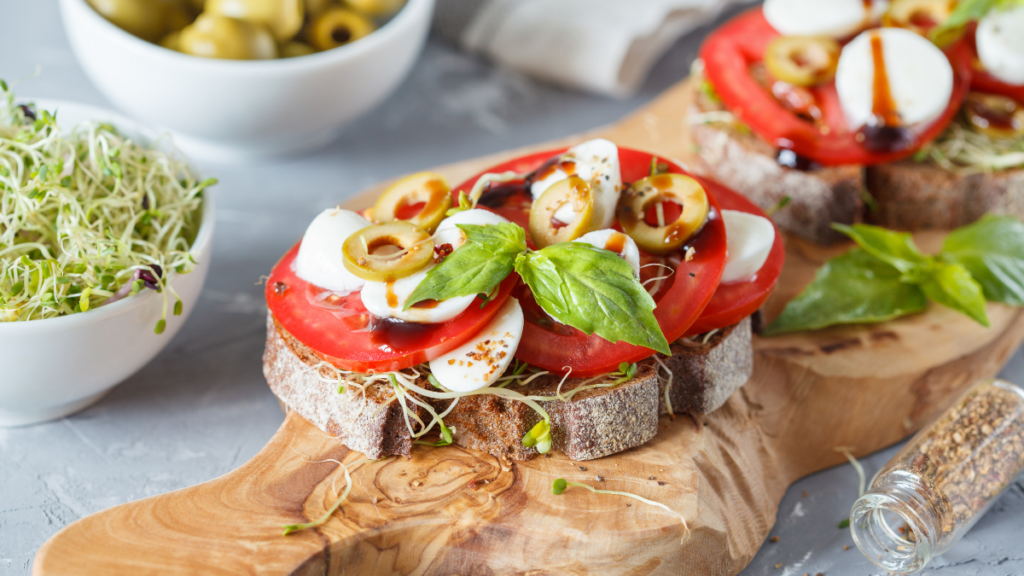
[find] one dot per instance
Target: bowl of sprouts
(218, 81)
(105, 241)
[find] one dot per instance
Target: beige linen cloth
(600, 46)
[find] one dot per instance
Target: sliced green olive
(375, 8)
(214, 36)
(573, 193)
(425, 188)
(337, 27)
(646, 194)
(802, 60)
(283, 18)
(918, 15)
(993, 115)
(387, 252)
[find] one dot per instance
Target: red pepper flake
(472, 484)
(441, 252)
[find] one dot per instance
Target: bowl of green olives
(234, 80)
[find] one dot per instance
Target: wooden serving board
(860, 387)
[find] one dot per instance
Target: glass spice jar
(938, 485)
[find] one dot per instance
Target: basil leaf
(853, 288)
(992, 250)
(592, 290)
(952, 286)
(502, 238)
(965, 12)
(895, 248)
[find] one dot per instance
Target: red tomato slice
(339, 331)
(558, 348)
(734, 302)
(728, 54)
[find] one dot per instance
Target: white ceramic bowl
(230, 110)
(57, 366)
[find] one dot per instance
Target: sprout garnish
(561, 485)
(87, 217)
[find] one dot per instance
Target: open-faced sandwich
(561, 300)
(865, 110)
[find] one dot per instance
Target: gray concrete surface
(202, 407)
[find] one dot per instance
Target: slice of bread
(590, 424)
(733, 156)
(922, 195)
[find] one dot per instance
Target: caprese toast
(562, 300)
(799, 96)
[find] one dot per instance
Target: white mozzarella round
(482, 360)
(1000, 40)
(319, 261)
(748, 240)
(611, 240)
(597, 162)
(386, 301)
(920, 77)
(835, 18)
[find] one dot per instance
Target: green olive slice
(647, 194)
(918, 15)
(573, 193)
(425, 188)
(993, 115)
(387, 252)
(802, 60)
(337, 27)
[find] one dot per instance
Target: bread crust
(922, 195)
(591, 424)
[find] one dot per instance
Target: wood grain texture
(862, 387)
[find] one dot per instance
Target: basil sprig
(590, 289)
(886, 276)
(966, 11)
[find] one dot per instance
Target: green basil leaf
(476, 267)
(855, 288)
(895, 248)
(952, 286)
(468, 270)
(502, 238)
(965, 12)
(992, 250)
(592, 290)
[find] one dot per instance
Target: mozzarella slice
(1000, 40)
(482, 360)
(748, 239)
(617, 242)
(835, 18)
(319, 261)
(597, 162)
(386, 300)
(920, 77)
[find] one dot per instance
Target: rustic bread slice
(922, 195)
(590, 424)
(741, 160)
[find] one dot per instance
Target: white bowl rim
(200, 245)
(245, 67)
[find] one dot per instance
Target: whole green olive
(282, 17)
(337, 27)
(213, 36)
(375, 8)
(147, 19)
(295, 49)
(314, 8)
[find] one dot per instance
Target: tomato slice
(728, 54)
(559, 348)
(339, 329)
(734, 302)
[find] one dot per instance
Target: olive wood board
(863, 387)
